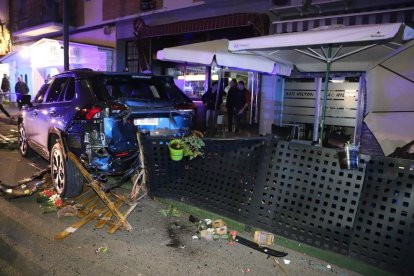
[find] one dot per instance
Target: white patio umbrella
(206, 53)
(327, 49)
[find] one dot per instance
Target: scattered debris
(26, 186)
(207, 234)
(263, 238)
(320, 267)
(49, 201)
(21, 190)
(67, 211)
(102, 249)
(193, 219)
(286, 261)
(220, 228)
(195, 237)
(172, 211)
(265, 250)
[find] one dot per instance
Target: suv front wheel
(24, 147)
(66, 178)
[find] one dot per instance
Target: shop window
(131, 57)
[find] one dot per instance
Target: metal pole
(65, 35)
(207, 80)
(317, 114)
(360, 109)
(218, 94)
(256, 98)
(325, 94)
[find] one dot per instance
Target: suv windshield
(135, 87)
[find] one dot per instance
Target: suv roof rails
(82, 69)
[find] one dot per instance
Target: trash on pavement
(220, 227)
(67, 211)
(266, 250)
(26, 186)
(172, 211)
(102, 249)
(286, 261)
(263, 238)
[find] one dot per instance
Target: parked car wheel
(24, 147)
(66, 178)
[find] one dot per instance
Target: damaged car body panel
(157, 106)
(98, 114)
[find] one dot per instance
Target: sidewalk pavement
(8, 127)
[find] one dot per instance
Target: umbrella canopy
(391, 129)
(206, 53)
(354, 48)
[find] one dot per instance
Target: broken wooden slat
(65, 233)
(88, 209)
(107, 216)
(115, 225)
(112, 229)
(95, 185)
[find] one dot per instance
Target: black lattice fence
(299, 192)
(307, 197)
(384, 226)
(222, 181)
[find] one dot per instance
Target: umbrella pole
(325, 94)
(219, 89)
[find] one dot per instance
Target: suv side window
(70, 90)
(41, 94)
(56, 90)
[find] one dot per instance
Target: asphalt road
(27, 246)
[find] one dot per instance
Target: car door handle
(35, 112)
(52, 113)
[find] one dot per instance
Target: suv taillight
(89, 113)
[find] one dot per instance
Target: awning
(206, 53)
(391, 129)
(259, 22)
(354, 48)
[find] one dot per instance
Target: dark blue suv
(96, 115)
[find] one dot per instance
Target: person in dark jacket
(209, 99)
(20, 89)
(231, 93)
(5, 88)
(236, 104)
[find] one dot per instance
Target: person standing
(239, 104)
(209, 99)
(5, 89)
(231, 93)
(20, 89)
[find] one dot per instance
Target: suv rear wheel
(24, 147)
(66, 178)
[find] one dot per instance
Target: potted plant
(193, 145)
(189, 146)
(176, 148)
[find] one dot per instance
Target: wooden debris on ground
(110, 208)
